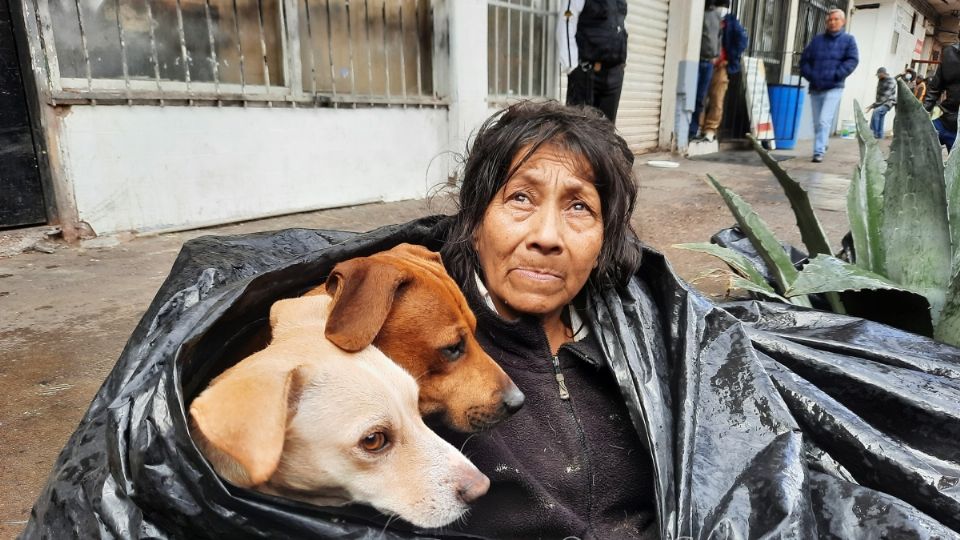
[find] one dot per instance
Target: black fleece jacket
(559, 468)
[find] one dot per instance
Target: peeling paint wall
(148, 168)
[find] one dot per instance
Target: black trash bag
(762, 419)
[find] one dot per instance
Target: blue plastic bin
(786, 106)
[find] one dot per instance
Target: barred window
(372, 51)
(375, 49)
(522, 60)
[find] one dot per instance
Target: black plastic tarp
(763, 420)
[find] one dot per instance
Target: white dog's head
(306, 420)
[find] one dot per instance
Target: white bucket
(848, 129)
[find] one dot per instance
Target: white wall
(681, 69)
(149, 168)
(873, 30)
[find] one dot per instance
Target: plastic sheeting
(762, 419)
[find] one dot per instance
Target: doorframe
(59, 202)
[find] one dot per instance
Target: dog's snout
(473, 486)
(512, 399)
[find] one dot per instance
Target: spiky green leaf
(947, 328)
(811, 232)
(737, 282)
(865, 198)
(740, 264)
(915, 232)
(829, 274)
(762, 238)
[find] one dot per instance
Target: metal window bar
(183, 46)
(241, 59)
(366, 26)
(403, 65)
(312, 59)
(123, 54)
(333, 73)
(83, 44)
(353, 70)
(216, 65)
(386, 49)
(416, 21)
(495, 54)
(527, 55)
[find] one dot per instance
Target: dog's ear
(242, 416)
(417, 251)
(363, 291)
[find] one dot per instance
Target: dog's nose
(512, 399)
(472, 487)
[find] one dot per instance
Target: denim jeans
(704, 74)
(825, 104)
(947, 137)
(876, 120)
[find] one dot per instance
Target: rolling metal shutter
(638, 118)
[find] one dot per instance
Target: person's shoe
(817, 158)
(709, 136)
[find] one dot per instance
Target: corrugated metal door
(639, 116)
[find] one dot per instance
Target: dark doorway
(21, 196)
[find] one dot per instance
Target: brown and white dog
(307, 420)
(403, 301)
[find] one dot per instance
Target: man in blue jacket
(826, 62)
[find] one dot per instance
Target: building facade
(158, 115)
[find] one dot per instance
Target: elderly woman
(650, 411)
(545, 207)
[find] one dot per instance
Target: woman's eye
(374, 442)
(579, 206)
(520, 198)
(455, 351)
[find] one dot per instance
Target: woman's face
(541, 235)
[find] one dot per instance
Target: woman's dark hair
(526, 126)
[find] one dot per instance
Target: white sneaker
(709, 136)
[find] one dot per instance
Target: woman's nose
(546, 232)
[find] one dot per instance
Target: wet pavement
(67, 311)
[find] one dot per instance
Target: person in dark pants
(886, 99)
(946, 79)
(592, 42)
(709, 54)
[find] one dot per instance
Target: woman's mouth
(536, 274)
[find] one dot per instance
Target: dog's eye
(374, 442)
(455, 351)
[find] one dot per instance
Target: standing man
(709, 54)
(733, 41)
(826, 62)
(886, 99)
(946, 79)
(592, 42)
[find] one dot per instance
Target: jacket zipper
(561, 383)
(581, 436)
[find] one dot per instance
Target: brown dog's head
(403, 301)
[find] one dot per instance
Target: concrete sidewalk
(67, 311)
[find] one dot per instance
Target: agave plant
(904, 215)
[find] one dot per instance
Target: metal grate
(522, 61)
(374, 51)
(293, 51)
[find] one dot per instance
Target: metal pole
(214, 64)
